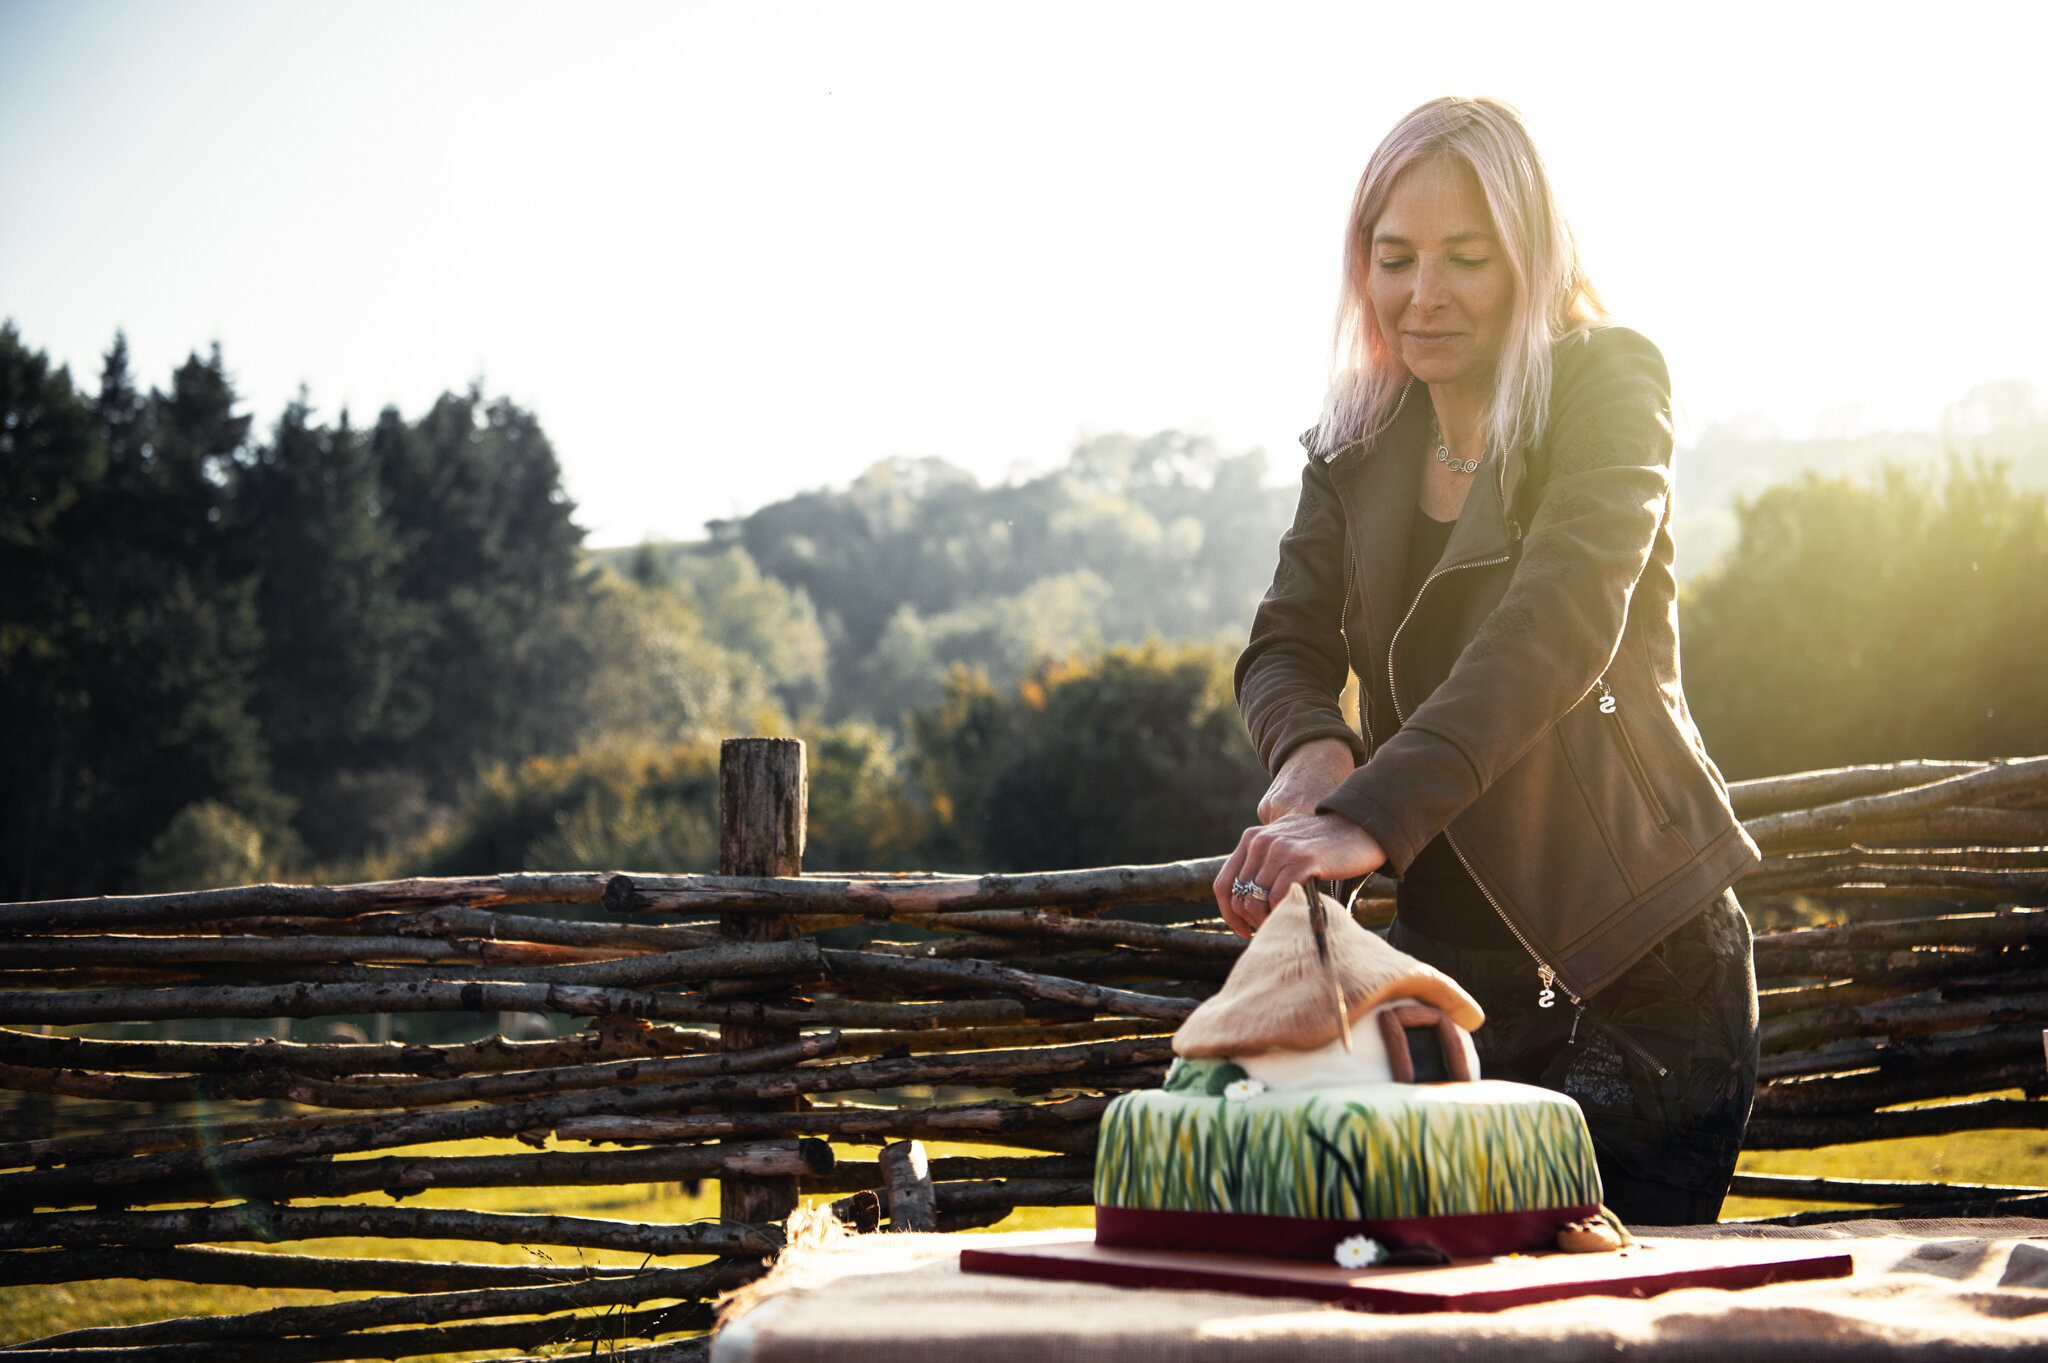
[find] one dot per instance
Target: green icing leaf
(1207, 1077)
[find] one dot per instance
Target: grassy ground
(2000, 1157)
(32, 1312)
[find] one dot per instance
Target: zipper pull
(1607, 701)
(1546, 996)
(1578, 1011)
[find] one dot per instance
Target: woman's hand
(1287, 852)
(1306, 778)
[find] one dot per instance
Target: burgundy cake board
(1643, 1270)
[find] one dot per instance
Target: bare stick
(1899, 1019)
(1880, 881)
(1795, 1189)
(1172, 882)
(319, 1000)
(1925, 967)
(1826, 823)
(1804, 790)
(413, 1093)
(868, 965)
(1807, 1133)
(1970, 1048)
(629, 1039)
(403, 1177)
(167, 951)
(1967, 1209)
(1899, 1083)
(1067, 1125)
(852, 1175)
(267, 1223)
(1823, 863)
(907, 1174)
(861, 1212)
(995, 1038)
(2021, 827)
(339, 1318)
(1978, 929)
(526, 927)
(1014, 1192)
(310, 901)
(148, 1140)
(256, 1268)
(1062, 927)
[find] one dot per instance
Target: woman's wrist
(1306, 778)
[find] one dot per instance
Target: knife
(1319, 925)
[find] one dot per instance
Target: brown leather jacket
(1558, 752)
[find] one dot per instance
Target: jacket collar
(1378, 481)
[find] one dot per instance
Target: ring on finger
(1245, 889)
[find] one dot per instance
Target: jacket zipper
(1546, 975)
(1610, 706)
(1344, 632)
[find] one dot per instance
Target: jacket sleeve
(1605, 486)
(1294, 667)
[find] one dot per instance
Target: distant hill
(915, 567)
(2002, 422)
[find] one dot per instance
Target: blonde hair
(1553, 298)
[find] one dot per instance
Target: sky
(730, 252)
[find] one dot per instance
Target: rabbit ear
(1276, 999)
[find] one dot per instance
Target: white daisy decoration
(1238, 1090)
(1359, 1251)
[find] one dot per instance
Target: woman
(1483, 537)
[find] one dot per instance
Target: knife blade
(1319, 926)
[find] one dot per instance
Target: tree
(1870, 622)
(488, 559)
(128, 641)
(308, 528)
(1139, 757)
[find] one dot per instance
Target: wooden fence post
(761, 794)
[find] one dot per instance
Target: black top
(1438, 897)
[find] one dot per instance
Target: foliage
(1001, 638)
(204, 844)
(650, 670)
(865, 814)
(1139, 757)
(639, 807)
(1874, 621)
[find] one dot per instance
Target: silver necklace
(1443, 455)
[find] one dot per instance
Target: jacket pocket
(1610, 710)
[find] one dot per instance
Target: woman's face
(1439, 283)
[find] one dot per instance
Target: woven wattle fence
(738, 1027)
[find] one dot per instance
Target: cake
(1271, 1137)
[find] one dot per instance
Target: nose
(1430, 290)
